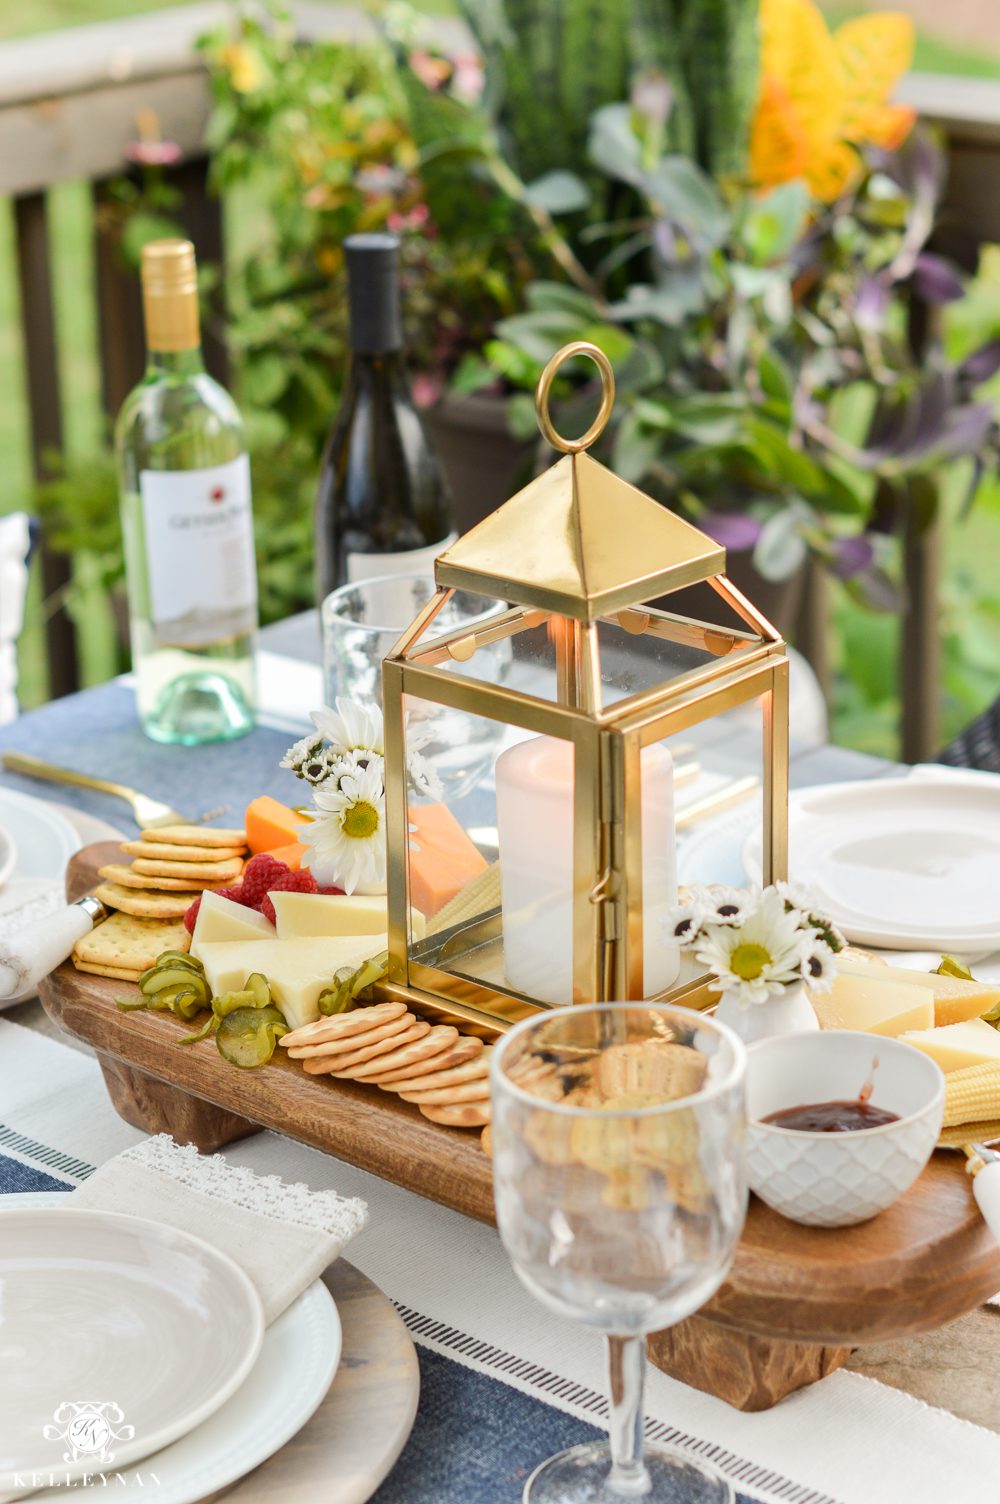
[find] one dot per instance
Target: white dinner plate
(119, 1335)
(904, 862)
(44, 838)
(291, 1378)
(8, 855)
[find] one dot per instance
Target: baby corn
(972, 1095)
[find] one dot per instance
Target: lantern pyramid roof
(579, 541)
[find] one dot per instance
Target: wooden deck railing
(68, 107)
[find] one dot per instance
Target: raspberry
(260, 873)
(287, 882)
(235, 895)
(191, 916)
(332, 890)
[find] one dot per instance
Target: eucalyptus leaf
(558, 193)
(679, 189)
(613, 145)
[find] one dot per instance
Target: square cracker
(130, 943)
(120, 973)
(161, 852)
(216, 872)
(195, 835)
(114, 872)
(145, 904)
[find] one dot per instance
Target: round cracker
(161, 852)
(217, 872)
(465, 1115)
(477, 1069)
(340, 1024)
(115, 872)
(438, 1039)
(345, 1065)
(348, 1043)
(464, 1050)
(486, 1140)
(195, 835)
(468, 1091)
(145, 905)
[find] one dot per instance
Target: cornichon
(351, 984)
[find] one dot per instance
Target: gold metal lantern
(549, 881)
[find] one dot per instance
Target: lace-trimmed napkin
(283, 1236)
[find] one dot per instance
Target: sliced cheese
(971, 1043)
(442, 857)
(300, 914)
(219, 919)
(954, 999)
(874, 1004)
(298, 970)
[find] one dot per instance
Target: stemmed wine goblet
(620, 1195)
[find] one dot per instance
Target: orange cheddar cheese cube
(442, 858)
(271, 825)
(290, 855)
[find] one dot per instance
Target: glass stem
(626, 1377)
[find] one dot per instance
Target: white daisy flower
(728, 905)
(798, 897)
(424, 782)
(305, 754)
(682, 923)
(819, 966)
(351, 728)
(759, 957)
(350, 840)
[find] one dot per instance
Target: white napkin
(282, 1236)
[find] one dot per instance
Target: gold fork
(150, 814)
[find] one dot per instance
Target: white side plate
(8, 855)
(119, 1335)
(44, 838)
(288, 1383)
(910, 862)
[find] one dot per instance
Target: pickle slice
(260, 987)
(951, 966)
(246, 1036)
(170, 976)
(229, 1001)
(179, 958)
(212, 1023)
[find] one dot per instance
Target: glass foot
(197, 708)
(580, 1475)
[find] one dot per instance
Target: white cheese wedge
(297, 970)
(219, 919)
(955, 1000)
(971, 1043)
(874, 1004)
(302, 914)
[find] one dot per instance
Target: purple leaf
(734, 530)
(980, 365)
(936, 280)
(852, 555)
(871, 304)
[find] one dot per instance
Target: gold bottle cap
(170, 295)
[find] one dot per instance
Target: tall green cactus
(709, 50)
(553, 62)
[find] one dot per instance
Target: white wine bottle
(184, 479)
(383, 505)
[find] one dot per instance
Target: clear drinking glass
(620, 1196)
(363, 622)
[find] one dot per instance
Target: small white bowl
(838, 1179)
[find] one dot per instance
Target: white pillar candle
(535, 824)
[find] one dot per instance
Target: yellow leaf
(798, 52)
(886, 125)
(875, 51)
(829, 173)
(779, 147)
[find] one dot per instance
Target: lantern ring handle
(577, 347)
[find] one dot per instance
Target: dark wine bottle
(383, 505)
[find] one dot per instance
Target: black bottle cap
(373, 280)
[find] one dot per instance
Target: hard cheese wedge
(955, 1000)
(874, 1004)
(442, 858)
(970, 1043)
(297, 970)
(220, 920)
(300, 914)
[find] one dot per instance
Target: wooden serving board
(794, 1304)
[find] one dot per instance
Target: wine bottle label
(199, 552)
(410, 561)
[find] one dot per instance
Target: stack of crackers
(170, 868)
(445, 1073)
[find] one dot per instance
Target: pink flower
(153, 153)
(431, 71)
